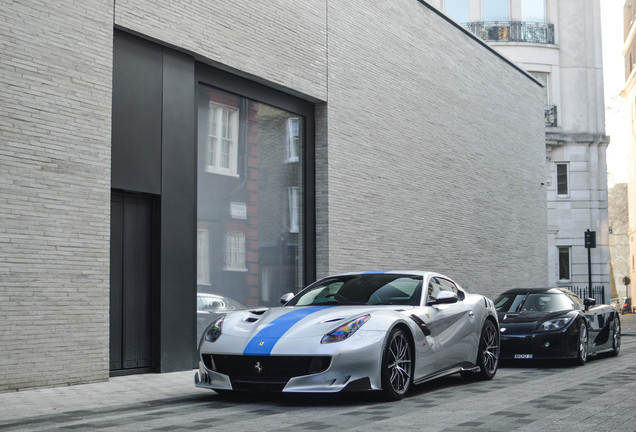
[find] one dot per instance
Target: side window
(448, 285)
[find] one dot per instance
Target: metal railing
(550, 113)
(598, 293)
(512, 31)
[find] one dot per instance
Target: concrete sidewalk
(600, 395)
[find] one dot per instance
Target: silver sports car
(354, 332)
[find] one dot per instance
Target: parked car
(627, 305)
(354, 332)
(554, 323)
(211, 306)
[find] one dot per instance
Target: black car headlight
(214, 330)
(554, 324)
(344, 331)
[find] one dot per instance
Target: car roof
(534, 291)
(399, 272)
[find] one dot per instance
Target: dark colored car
(626, 307)
(554, 323)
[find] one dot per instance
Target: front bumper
(342, 370)
(560, 344)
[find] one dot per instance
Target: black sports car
(554, 323)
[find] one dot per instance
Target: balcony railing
(513, 31)
(550, 113)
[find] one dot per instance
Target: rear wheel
(397, 365)
(616, 337)
(581, 354)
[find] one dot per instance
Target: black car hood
(525, 322)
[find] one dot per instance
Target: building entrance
(131, 283)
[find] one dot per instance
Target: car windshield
(369, 289)
(533, 302)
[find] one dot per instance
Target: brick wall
(436, 151)
(429, 149)
(55, 110)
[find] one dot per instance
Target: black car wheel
(397, 365)
(488, 353)
(616, 337)
(581, 354)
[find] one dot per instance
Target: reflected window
(293, 209)
(495, 10)
(458, 10)
(235, 251)
(533, 11)
(222, 139)
(293, 139)
(203, 257)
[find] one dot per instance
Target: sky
(616, 107)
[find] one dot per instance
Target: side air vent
(258, 311)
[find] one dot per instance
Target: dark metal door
(131, 282)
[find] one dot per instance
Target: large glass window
(459, 10)
(533, 11)
(250, 198)
(495, 10)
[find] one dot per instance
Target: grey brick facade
(429, 152)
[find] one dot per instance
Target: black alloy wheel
(616, 337)
(397, 365)
(581, 351)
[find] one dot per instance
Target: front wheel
(488, 353)
(616, 337)
(581, 352)
(397, 365)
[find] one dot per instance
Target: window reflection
(250, 198)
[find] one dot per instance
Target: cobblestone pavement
(599, 396)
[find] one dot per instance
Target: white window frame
(569, 252)
(222, 131)
(567, 178)
(293, 139)
(234, 251)
(293, 199)
(203, 257)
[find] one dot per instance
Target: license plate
(523, 356)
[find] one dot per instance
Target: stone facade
(429, 153)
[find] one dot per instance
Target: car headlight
(214, 330)
(554, 324)
(344, 331)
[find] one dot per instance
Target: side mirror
(445, 297)
(286, 297)
(589, 302)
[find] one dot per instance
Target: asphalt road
(599, 396)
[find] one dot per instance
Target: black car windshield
(369, 289)
(533, 302)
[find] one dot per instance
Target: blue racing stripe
(264, 341)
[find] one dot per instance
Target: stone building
(559, 43)
(151, 147)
